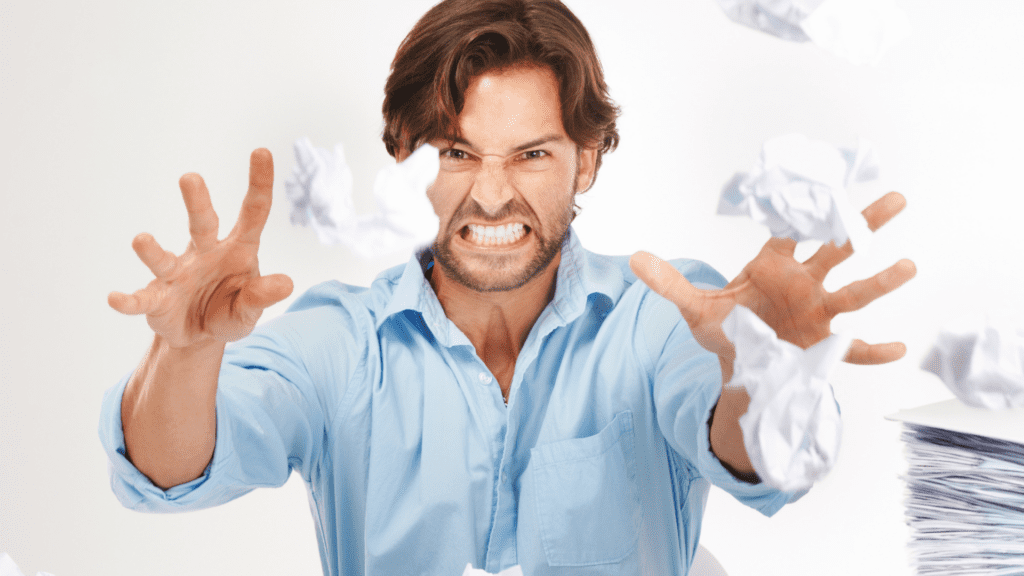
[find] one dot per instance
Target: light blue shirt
(600, 463)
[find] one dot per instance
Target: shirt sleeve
(687, 382)
(274, 396)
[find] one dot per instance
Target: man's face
(504, 194)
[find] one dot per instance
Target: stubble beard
(501, 275)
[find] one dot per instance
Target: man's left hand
(786, 294)
(790, 298)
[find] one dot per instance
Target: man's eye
(454, 154)
(534, 154)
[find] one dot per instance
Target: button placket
(502, 541)
(509, 557)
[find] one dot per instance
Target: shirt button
(504, 477)
(485, 377)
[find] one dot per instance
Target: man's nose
(491, 187)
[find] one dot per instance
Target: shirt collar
(581, 274)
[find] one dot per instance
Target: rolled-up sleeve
(275, 391)
(687, 383)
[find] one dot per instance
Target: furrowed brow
(527, 145)
(538, 142)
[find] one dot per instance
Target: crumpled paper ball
(9, 568)
(983, 366)
(798, 189)
(792, 428)
(860, 31)
(320, 194)
(513, 571)
(780, 18)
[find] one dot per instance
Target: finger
(141, 302)
(256, 205)
(826, 258)
(159, 261)
(661, 277)
(877, 214)
(202, 220)
(882, 210)
(862, 292)
(861, 352)
(266, 291)
(784, 246)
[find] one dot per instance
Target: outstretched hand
(213, 291)
(786, 294)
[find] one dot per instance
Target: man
(505, 398)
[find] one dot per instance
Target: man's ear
(586, 170)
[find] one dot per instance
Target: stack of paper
(965, 484)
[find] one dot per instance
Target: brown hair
(458, 40)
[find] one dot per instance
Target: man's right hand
(213, 292)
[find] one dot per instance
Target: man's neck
(496, 323)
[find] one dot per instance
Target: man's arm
(726, 434)
(210, 295)
(790, 298)
(168, 411)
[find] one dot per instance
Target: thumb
(664, 279)
(266, 291)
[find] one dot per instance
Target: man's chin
(496, 271)
(493, 273)
(491, 280)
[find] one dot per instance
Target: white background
(104, 104)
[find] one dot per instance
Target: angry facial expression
(504, 193)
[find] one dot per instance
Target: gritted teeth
(496, 235)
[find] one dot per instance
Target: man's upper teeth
(494, 231)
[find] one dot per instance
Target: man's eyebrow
(521, 147)
(538, 142)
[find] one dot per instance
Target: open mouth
(506, 235)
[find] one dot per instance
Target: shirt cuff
(133, 488)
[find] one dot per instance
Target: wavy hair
(457, 40)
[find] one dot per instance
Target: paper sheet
(792, 428)
(9, 568)
(860, 31)
(798, 189)
(982, 365)
(513, 571)
(320, 193)
(956, 416)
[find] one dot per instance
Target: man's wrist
(725, 362)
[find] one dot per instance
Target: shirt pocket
(588, 501)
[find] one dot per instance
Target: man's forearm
(168, 411)
(726, 434)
